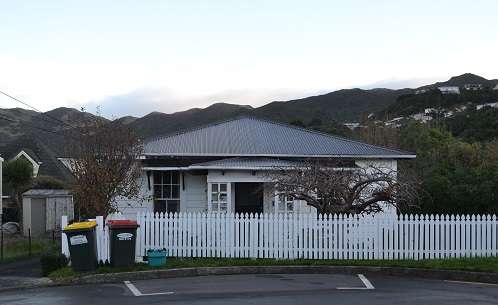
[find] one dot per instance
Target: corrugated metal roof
(46, 193)
(245, 163)
(248, 136)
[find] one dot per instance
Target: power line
(28, 125)
(35, 117)
(53, 118)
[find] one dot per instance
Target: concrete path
(21, 275)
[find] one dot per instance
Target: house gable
(42, 156)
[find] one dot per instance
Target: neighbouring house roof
(40, 152)
(253, 137)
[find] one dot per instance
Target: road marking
(472, 283)
(137, 292)
(366, 282)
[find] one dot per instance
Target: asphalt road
(277, 289)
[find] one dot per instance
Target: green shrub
(52, 261)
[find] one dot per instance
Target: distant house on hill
(473, 87)
(220, 167)
(450, 90)
(494, 105)
(422, 117)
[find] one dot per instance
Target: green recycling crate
(82, 244)
(122, 237)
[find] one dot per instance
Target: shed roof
(47, 193)
(248, 136)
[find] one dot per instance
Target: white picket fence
(292, 236)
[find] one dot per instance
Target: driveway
(21, 274)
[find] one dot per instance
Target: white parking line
(366, 282)
(137, 292)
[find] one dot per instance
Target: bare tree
(336, 188)
(104, 157)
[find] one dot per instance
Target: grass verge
(479, 264)
(17, 249)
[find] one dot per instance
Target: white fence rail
(292, 236)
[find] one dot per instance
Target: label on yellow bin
(78, 240)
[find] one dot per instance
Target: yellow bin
(82, 244)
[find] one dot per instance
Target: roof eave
(407, 156)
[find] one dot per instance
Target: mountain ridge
(341, 106)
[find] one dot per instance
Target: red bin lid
(122, 223)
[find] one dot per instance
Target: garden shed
(43, 210)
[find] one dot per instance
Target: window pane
(223, 187)
(173, 206)
(223, 197)
(166, 191)
(157, 191)
(167, 177)
(175, 191)
(215, 187)
(157, 177)
(175, 177)
(160, 206)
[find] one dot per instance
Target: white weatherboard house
(220, 167)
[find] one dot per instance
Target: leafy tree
(315, 122)
(459, 178)
(335, 188)
(375, 134)
(18, 174)
(298, 123)
(104, 159)
(476, 125)
(334, 128)
(49, 182)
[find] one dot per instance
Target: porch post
(229, 197)
(276, 202)
(209, 197)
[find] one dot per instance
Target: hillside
(416, 103)
(462, 80)
(157, 123)
(341, 106)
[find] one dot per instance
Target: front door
(248, 197)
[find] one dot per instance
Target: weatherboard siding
(195, 197)
(130, 207)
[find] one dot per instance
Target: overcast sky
(135, 57)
